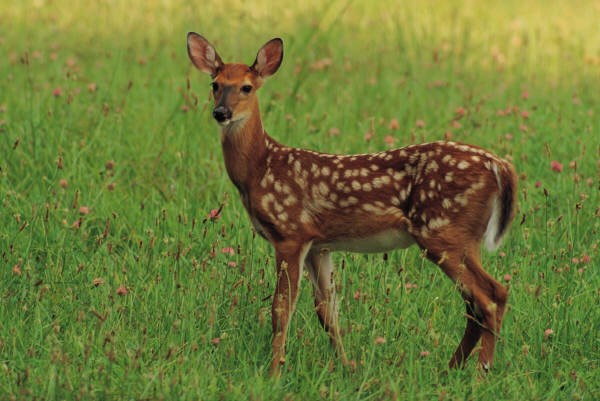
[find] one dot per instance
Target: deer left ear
(269, 58)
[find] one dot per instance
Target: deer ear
(269, 58)
(203, 54)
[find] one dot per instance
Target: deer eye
(215, 86)
(247, 88)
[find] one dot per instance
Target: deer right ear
(203, 54)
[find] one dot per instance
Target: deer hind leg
(485, 300)
(470, 337)
(290, 261)
(491, 300)
(320, 270)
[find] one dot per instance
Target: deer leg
(485, 298)
(290, 261)
(320, 270)
(470, 337)
(490, 298)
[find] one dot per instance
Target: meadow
(130, 271)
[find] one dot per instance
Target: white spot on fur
(414, 157)
(399, 175)
(461, 199)
(463, 164)
(266, 199)
(437, 223)
(367, 207)
(432, 166)
(324, 204)
(301, 182)
(323, 188)
(290, 200)
(305, 217)
(297, 166)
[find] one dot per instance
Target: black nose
(221, 114)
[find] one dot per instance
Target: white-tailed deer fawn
(444, 196)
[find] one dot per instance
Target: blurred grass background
(117, 285)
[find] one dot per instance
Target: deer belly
(382, 241)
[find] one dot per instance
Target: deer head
(234, 85)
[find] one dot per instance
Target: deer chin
(233, 125)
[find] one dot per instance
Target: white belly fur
(383, 241)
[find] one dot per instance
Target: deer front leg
(320, 270)
(290, 261)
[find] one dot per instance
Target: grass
(117, 285)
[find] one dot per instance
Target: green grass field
(115, 283)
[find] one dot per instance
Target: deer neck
(244, 149)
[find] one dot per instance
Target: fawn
(444, 196)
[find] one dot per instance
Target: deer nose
(221, 114)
